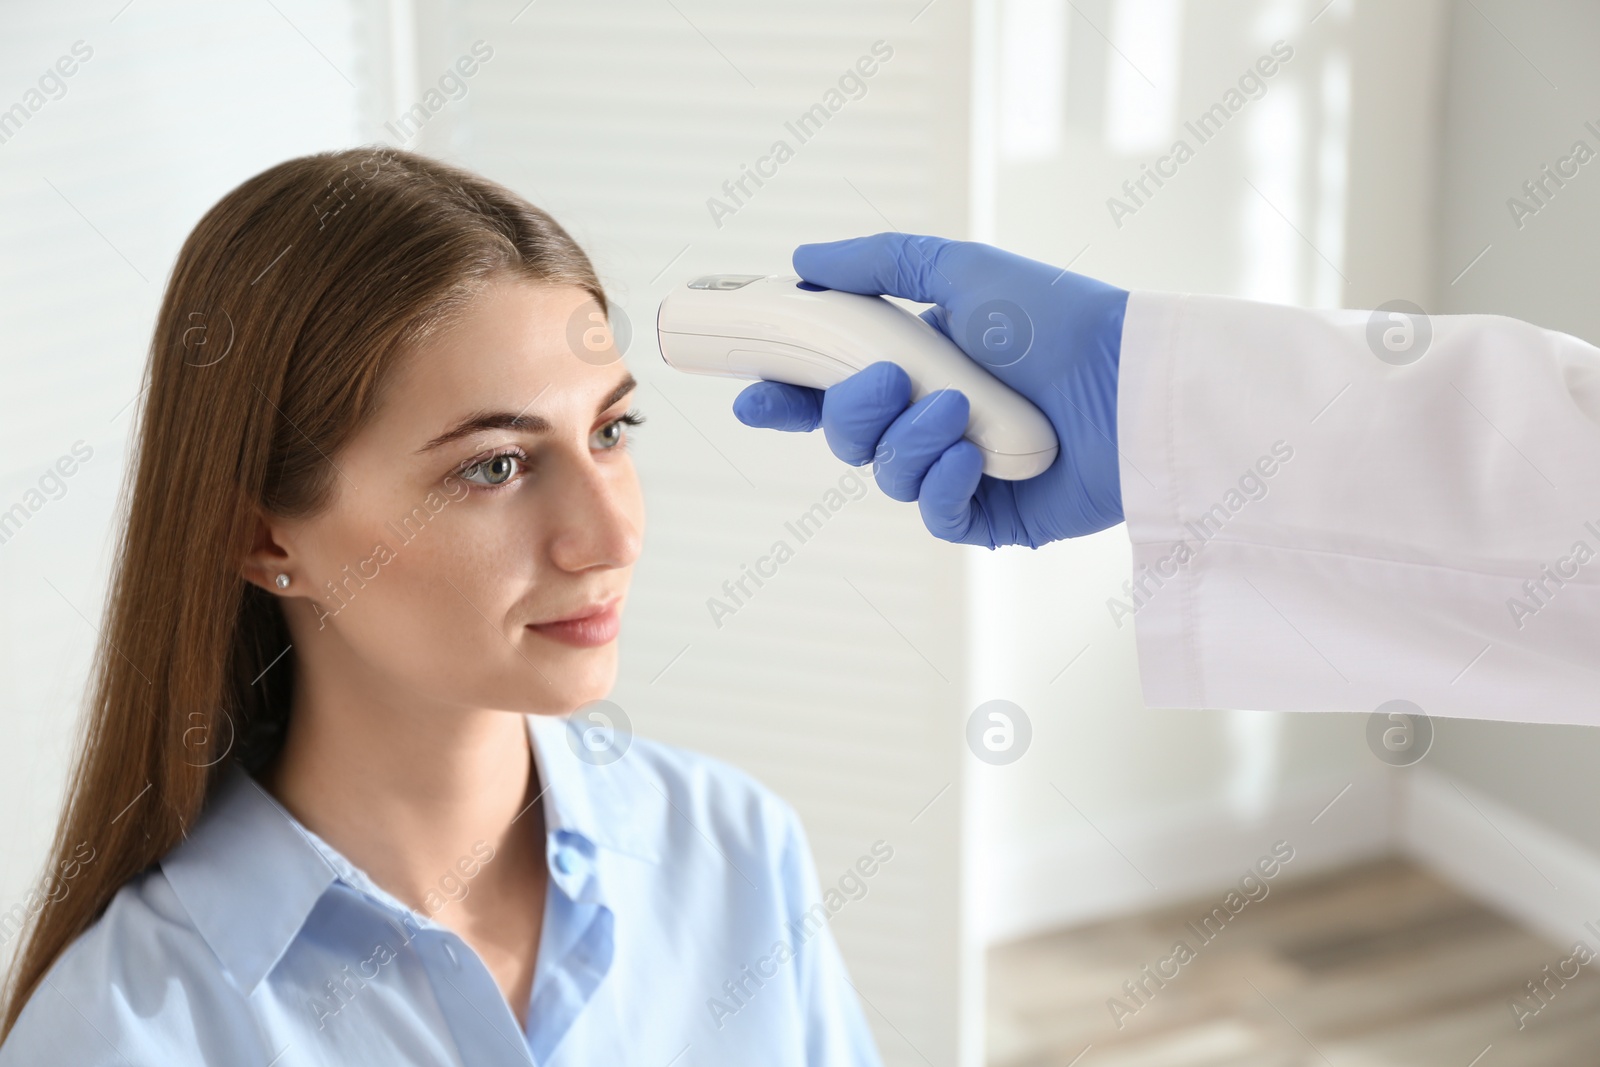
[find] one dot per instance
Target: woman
(382, 523)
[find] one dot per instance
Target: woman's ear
(269, 564)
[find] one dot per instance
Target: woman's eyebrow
(520, 421)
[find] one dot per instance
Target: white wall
(1519, 91)
(178, 102)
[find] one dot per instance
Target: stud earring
(282, 581)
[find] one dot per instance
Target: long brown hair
(286, 312)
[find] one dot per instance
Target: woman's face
(492, 495)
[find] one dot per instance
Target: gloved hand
(1051, 335)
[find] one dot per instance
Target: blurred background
(1379, 160)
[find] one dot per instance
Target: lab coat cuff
(1150, 464)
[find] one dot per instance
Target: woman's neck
(436, 803)
(407, 790)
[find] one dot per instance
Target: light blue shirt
(682, 926)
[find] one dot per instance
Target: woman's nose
(597, 518)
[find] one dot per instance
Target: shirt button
(564, 861)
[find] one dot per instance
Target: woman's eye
(612, 433)
(496, 470)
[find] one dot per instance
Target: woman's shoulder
(694, 798)
(653, 797)
(689, 771)
(133, 988)
(708, 784)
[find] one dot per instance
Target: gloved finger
(916, 440)
(938, 318)
(777, 406)
(856, 411)
(899, 264)
(948, 501)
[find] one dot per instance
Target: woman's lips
(591, 631)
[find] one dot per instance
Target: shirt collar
(249, 874)
(605, 803)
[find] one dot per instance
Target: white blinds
(841, 681)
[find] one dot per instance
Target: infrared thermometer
(782, 329)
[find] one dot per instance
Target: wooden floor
(1381, 965)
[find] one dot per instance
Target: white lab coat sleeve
(1316, 528)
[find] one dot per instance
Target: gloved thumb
(777, 406)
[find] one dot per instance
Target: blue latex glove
(1051, 335)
